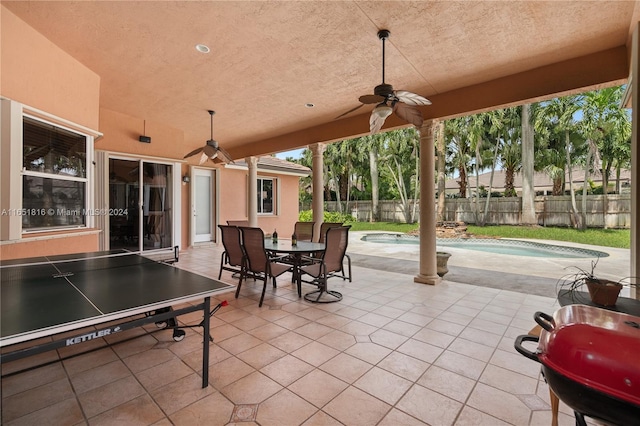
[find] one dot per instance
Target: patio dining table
(295, 253)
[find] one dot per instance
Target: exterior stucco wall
(50, 244)
(233, 190)
(121, 133)
(40, 75)
(37, 73)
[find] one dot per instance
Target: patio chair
(323, 230)
(258, 261)
(304, 230)
(238, 222)
(326, 266)
(232, 257)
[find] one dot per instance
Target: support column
(635, 156)
(252, 196)
(428, 263)
(317, 184)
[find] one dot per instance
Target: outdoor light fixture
(143, 138)
(382, 110)
(186, 179)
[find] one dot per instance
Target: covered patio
(279, 73)
(391, 352)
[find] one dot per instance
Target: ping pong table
(77, 294)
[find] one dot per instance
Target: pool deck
(532, 275)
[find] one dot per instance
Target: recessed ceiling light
(309, 105)
(202, 48)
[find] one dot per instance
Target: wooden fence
(550, 210)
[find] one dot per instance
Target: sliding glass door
(140, 204)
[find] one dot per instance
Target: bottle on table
(274, 237)
(294, 239)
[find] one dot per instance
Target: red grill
(591, 360)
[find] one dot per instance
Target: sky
(296, 153)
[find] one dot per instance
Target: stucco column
(428, 264)
(317, 184)
(635, 156)
(252, 196)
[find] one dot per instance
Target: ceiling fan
(211, 150)
(402, 102)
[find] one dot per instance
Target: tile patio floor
(392, 352)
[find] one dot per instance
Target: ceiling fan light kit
(401, 102)
(382, 110)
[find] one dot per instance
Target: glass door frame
(173, 183)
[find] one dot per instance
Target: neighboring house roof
(273, 164)
(540, 179)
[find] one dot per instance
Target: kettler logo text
(91, 336)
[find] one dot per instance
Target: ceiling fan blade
(349, 112)
(203, 159)
(371, 99)
(375, 122)
(209, 151)
(408, 113)
(410, 98)
(224, 156)
(194, 152)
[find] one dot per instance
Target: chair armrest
(311, 259)
(278, 258)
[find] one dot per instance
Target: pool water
(501, 246)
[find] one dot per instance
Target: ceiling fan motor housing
(383, 90)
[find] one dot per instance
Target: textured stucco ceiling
(268, 59)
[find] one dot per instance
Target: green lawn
(620, 238)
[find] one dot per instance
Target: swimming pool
(501, 246)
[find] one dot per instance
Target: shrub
(307, 216)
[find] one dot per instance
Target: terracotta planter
(603, 292)
(442, 259)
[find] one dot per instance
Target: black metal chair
(304, 230)
(257, 260)
(323, 231)
(326, 266)
(233, 257)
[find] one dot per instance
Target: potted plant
(603, 292)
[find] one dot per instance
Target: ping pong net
(61, 266)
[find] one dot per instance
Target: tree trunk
(440, 144)
(574, 206)
(585, 191)
(528, 188)
(605, 193)
(373, 170)
(476, 203)
(493, 169)
(462, 192)
(416, 190)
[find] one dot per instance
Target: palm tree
(510, 154)
(557, 116)
(607, 128)
(402, 163)
(458, 151)
(440, 146)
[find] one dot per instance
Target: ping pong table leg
(205, 342)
